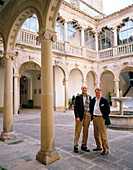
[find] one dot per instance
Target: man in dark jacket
(100, 110)
(83, 118)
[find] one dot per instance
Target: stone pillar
(97, 82)
(116, 87)
(18, 91)
(30, 89)
(8, 100)
(83, 81)
(82, 38)
(16, 95)
(65, 33)
(116, 90)
(115, 37)
(65, 83)
(96, 41)
(115, 42)
(96, 44)
(47, 153)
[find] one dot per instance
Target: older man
(83, 118)
(100, 110)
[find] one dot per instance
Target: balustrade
(91, 54)
(75, 50)
(125, 49)
(29, 38)
(108, 53)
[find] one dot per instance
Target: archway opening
(107, 84)
(58, 88)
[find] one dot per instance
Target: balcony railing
(91, 54)
(29, 38)
(125, 49)
(107, 53)
(58, 46)
(76, 50)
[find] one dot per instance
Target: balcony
(29, 39)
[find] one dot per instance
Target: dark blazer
(104, 108)
(79, 106)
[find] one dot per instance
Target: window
(31, 24)
(59, 28)
(105, 38)
(125, 32)
(74, 34)
(90, 39)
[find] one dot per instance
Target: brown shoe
(85, 149)
(75, 150)
(104, 152)
(97, 149)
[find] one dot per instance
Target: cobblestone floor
(20, 154)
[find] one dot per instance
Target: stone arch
(123, 76)
(91, 82)
(59, 85)
(30, 65)
(46, 18)
(62, 67)
(76, 68)
(107, 83)
(21, 17)
(124, 68)
(75, 82)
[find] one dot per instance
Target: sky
(111, 6)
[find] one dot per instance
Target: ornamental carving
(46, 35)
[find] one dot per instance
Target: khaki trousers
(78, 127)
(100, 133)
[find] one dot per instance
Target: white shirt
(84, 98)
(97, 111)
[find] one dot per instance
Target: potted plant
(112, 94)
(30, 104)
(70, 103)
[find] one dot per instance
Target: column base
(16, 115)
(7, 136)
(47, 157)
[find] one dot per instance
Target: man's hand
(78, 119)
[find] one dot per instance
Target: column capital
(65, 80)
(17, 75)
(46, 35)
(9, 55)
(116, 80)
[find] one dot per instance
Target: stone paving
(20, 154)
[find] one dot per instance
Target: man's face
(84, 90)
(98, 94)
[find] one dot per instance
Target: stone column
(82, 38)
(116, 87)
(8, 100)
(116, 90)
(115, 42)
(18, 91)
(83, 81)
(65, 83)
(65, 32)
(47, 153)
(96, 44)
(97, 82)
(96, 41)
(30, 89)
(115, 37)
(16, 95)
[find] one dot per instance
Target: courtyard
(20, 154)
